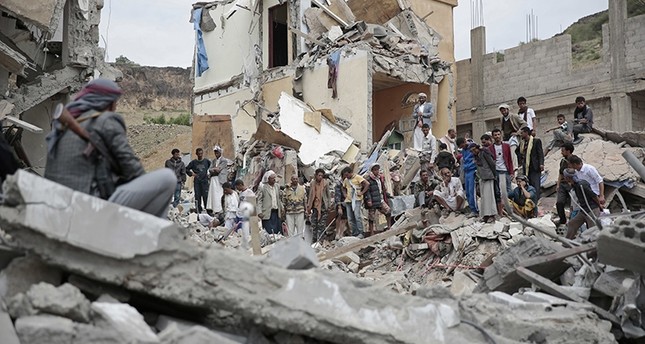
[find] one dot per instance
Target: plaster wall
(392, 104)
(244, 125)
(271, 92)
(228, 46)
(354, 92)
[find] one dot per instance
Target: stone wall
(638, 111)
(635, 43)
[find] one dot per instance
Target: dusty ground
(153, 142)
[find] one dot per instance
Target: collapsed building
(48, 50)
(380, 57)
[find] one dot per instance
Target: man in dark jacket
(503, 162)
(199, 169)
(587, 199)
(376, 198)
(530, 158)
(70, 164)
(583, 119)
(177, 165)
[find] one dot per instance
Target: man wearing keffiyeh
(71, 163)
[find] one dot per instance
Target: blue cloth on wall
(202, 58)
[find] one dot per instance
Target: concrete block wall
(638, 111)
(464, 84)
(635, 43)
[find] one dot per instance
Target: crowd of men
(88, 151)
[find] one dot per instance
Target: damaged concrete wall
(544, 73)
(271, 91)
(354, 92)
(229, 45)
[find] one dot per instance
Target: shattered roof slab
(43, 13)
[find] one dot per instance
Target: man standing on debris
(341, 210)
(318, 203)
(531, 158)
(429, 148)
(109, 157)
(589, 202)
(376, 198)
(590, 174)
(583, 119)
(199, 169)
(218, 173)
(562, 188)
(244, 192)
(449, 193)
(269, 203)
(449, 140)
(423, 189)
(177, 165)
(527, 114)
(469, 168)
(294, 200)
(523, 198)
(230, 203)
(486, 171)
(503, 163)
(511, 125)
(355, 187)
(422, 114)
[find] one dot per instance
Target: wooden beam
(308, 37)
(556, 290)
(401, 228)
(23, 124)
(637, 190)
(330, 13)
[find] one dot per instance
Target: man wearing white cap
(422, 114)
(219, 175)
(510, 126)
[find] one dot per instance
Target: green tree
(122, 60)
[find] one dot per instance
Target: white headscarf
(267, 174)
(217, 148)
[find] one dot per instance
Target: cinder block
(623, 245)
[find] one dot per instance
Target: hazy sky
(157, 33)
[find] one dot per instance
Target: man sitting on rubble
(590, 174)
(71, 163)
(376, 198)
(562, 133)
(523, 198)
(449, 193)
(423, 189)
(583, 119)
(588, 200)
(444, 158)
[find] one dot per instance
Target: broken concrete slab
(614, 283)
(314, 144)
(7, 331)
(45, 329)
(329, 306)
(44, 14)
(194, 335)
(623, 245)
(462, 284)
(124, 320)
(66, 301)
(12, 60)
(24, 272)
(293, 253)
(125, 232)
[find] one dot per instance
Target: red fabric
(506, 152)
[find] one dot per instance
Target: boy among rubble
(341, 213)
(583, 119)
(294, 201)
(176, 165)
(449, 193)
(376, 198)
(523, 198)
(486, 171)
(429, 149)
(319, 204)
(562, 133)
(355, 187)
(588, 200)
(563, 189)
(444, 159)
(230, 204)
(395, 175)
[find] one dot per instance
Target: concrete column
(617, 18)
(621, 112)
(477, 52)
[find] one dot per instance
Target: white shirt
(500, 165)
(450, 191)
(246, 193)
(530, 114)
(591, 175)
(274, 196)
(231, 203)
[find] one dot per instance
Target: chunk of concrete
(7, 331)
(66, 301)
(462, 284)
(195, 335)
(293, 253)
(533, 296)
(348, 240)
(24, 272)
(348, 258)
(45, 329)
(125, 320)
(166, 322)
(614, 283)
(82, 220)
(46, 15)
(623, 245)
